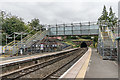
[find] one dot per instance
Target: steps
(26, 42)
(107, 44)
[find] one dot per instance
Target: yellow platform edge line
(83, 70)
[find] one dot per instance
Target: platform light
(107, 30)
(92, 37)
(34, 40)
(36, 45)
(9, 37)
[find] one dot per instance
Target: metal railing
(106, 46)
(12, 48)
(28, 42)
(38, 36)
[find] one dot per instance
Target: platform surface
(99, 68)
(92, 67)
(9, 60)
(73, 72)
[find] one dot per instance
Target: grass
(93, 46)
(69, 42)
(82, 40)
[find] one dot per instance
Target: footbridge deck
(87, 28)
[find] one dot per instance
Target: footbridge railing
(106, 43)
(85, 28)
(12, 48)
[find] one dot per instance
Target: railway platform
(92, 67)
(9, 60)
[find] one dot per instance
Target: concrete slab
(72, 72)
(26, 57)
(99, 68)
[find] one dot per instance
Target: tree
(104, 15)
(34, 23)
(13, 24)
(2, 16)
(112, 17)
(10, 24)
(109, 18)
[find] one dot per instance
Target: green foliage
(10, 24)
(72, 37)
(2, 16)
(86, 37)
(104, 15)
(13, 24)
(3, 38)
(110, 17)
(34, 23)
(68, 37)
(96, 38)
(0, 39)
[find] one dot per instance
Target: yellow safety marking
(30, 57)
(82, 72)
(2, 57)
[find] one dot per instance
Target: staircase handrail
(110, 33)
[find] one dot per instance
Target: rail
(37, 65)
(106, 44)
(12, 48)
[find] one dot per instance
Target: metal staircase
(106, 43)
(9, 47)
(38, 36)
(13, 48)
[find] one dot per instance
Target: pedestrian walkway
(9, 60)
(92, 67)
(99, 68)
(79, 67)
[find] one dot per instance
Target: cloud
(58, 12)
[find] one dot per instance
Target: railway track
(27, 61)
(51, 68)
(58, 72)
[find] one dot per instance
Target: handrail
(40, 36)
(10, 46)
(28, 42)
(34, 36)
(16, 47)
(110, 33)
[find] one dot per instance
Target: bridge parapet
(87, 28)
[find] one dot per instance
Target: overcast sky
(58, 11)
